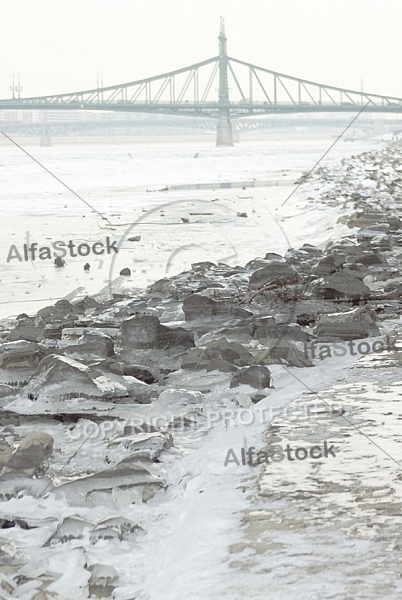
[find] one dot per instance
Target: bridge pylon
(224, 135)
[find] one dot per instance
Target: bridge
(220, 88)
(128, 127)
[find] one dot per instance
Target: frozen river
(157, 233)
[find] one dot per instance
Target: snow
(193, 525)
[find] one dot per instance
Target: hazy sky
(59, 45)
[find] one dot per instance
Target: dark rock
(140, 373)
(145, 341)
(197, 307)
(158, 286)
(370, 258)
(85, 304)
(7, 524)
(218, 355)
(20, 355)
(220, 365)
(381, 242)
(112, 317)
(393, 286)
(142, 428)
(5, 453)
(125, 475)
(282, 331)
(22, 316)
(60, 377)
(394, 222)
(90, 347)
(368, 233)
(33, 451)
(280, 351)
(341, 285)
(275, 272)
(146, 332)
(364, 218)
(305, 320)
(358, 323)
(6, 390)
(27, 329)
(18, 361)
(273, 256)
(55, 331)
(356, 270)
(61, 310)
(109, 365)
(144, 445)
(125, 272)
(259, 263)
(326, 266)
(203, 266)
(311, 250)
(257, 376)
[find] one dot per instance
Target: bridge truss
(222, 88)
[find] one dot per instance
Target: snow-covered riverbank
(153, 512)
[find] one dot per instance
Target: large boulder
(60, 377)
(34, 450)
(281, 351)
(279, 272)
(143, 340)
(358, 323)
(126, 482)
(198, 307)
(293, 332)
(146, 332)
(257, 377)
(61, 310)
(326, 266)
(139, 372)
(5, 453)
(143, 445)
(197, 359)
(27, 328)
(20, 355)
(6, 390)
(218, 355)
(18, 362)
(111, 317)
(368, 233)
(91, 346)
(341, 285)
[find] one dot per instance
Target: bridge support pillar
(224, 135)
(45, 140)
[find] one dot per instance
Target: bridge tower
(224, 133)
